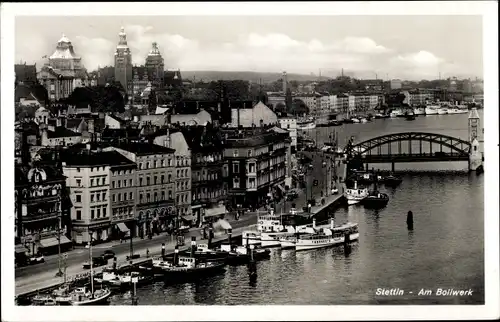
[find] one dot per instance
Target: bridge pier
(475, 156)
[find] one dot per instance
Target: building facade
(64, 71)
(123, 195)
(290, 124)
(155, 66)
(258, 115)
(256, 167)
(41, 213)
(123, 62)
(155, 182)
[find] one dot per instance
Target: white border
(489, 11)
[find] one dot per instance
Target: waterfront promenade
(47, 279)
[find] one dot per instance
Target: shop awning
(21, 249)
(216, 211)
(52, 241)
(188, 217)
(123, 228)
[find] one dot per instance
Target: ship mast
(91, 267)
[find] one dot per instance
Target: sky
(405, 47)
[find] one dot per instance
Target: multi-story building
(258, 115)
(41, 208)
(155, 66)
(123, 62)
(155, 182)
(175, 139)
(275, 99)
(290, 124)
(64, 71)
(311, 101)
(256, 166)
(324, 104)
(88, 174)
(418, 97)
(208, 189)
(123, 194)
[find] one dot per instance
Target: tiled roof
(143, 148)
(61, 132)
(72, 123)
(86, 157)
(202, 137)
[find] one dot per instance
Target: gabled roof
(200, 138)
(86, 157)
(119, 119)
(72, 123)
(143, 148)
(61, 132)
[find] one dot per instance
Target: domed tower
(155, 66)
(64, 57)
(123, 61)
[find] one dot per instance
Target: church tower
(123, 61)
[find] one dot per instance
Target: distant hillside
(247, 76)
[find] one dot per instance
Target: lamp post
(59, 215)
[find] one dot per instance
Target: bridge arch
(460, 146)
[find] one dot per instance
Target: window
(148, 181)
(140, 166)
(124, 183)
(91, 182)
(91, 169)
(78, 182)
(249, 153)
(78, 215)
(104, 196)
(236, 182)
(113, 184)
(114, 197)
(236, 168)
(148, 197)
(147, 165)
(130, 183)
(235, 153)
(131, 195)
(155, 179)
(156, 196)
(251, 167)
(98, 196)
(78, 198)
(169, 177)
(177, 198)
(162, 178)
(92, 214)
(119, 183)
(77, 169)
(163, 195)
(119, 197)
(140, 181)
(98, 213)
(170, 194)
(140, 197)
(92, 198)
(104, 212)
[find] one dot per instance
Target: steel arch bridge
(389, 148)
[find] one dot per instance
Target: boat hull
(334, 241)
(95, 301)
(431, 111)
(287, 244)
(180, 276)
(375, 203)
(443, 111)
(240, 259)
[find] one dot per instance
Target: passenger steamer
(328, 237)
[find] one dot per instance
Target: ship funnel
(332, 223)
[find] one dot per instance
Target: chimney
(285, 81)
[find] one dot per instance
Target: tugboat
(376, 199)
(355, 195)
(185, 268)
(392, 181)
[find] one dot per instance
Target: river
(445, 249)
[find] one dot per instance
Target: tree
(152, 102)
(299, 107)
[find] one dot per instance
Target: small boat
(376, 200)
(392, 181)
(410, 116)
(306, 125)
(431, 109)
(364, 120)
(183, 268)
(396, 113)
(442, 111)
(355, 120)
(111, 278)
(419, 110)
(82, 296)
(328, 237)
(62, 295)
(243, 254)
(44, 300)
(334, 123)
(355, 195)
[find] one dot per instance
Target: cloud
(265, 52)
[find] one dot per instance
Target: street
(80, 255)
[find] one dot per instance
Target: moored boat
(182, 268)
(82, 296)
(328, 237)
(112, 278)
(376, 200)
(355, 120)
(431, 109)
(243, 255)
(442, 110)
(419, 110)
(355, 195)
